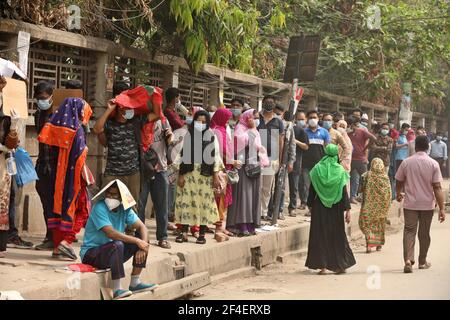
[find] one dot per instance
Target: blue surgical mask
(188, 120)
(199, 126)
(327, 124)
(256, 122)
(301, 123)
(129, 114)
(236, 112)
(44, 104)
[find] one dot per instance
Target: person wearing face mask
(244, 213)
(118, 130)
(335, 136)
(345, 158)
(172, 96)
(67, 185)
(401, 146)
(365, 120)
(438, 151)
(360, 139)
(8, 140)
(420, 131)
(295, 185)
(236, 106)
(105, 244)
(382, 147)
(318, 139)
(281, 111)
(271, 129)
(158, 187)
(47, 157)
(200, 163)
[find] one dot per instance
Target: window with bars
(326, 106)
(57, 64)
(194, 90)
(247, 92)
(136, 72)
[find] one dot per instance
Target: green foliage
(252, 36)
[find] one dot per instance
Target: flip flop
(67, 252)
(228, 233)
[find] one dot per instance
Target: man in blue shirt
(105, 244)
(318, 139)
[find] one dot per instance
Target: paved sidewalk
(37, 276)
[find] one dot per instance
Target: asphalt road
(378, 275)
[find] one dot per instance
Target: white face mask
(112, 203)
(199, 126)
(256, 121)
(129, 114)
(313, 123)
(341, 130)
(181, 109)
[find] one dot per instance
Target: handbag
(252, 169)
(233, 176)
(148, 159)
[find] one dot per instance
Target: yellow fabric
(376, 202)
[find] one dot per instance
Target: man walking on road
(438, 151)
(421, 179)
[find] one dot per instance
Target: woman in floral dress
(200, 163)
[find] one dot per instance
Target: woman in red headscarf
(224, 199)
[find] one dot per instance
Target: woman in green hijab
(328, 247)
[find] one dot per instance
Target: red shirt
(174, 119)
(359, 141)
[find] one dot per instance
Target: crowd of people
(218, 167)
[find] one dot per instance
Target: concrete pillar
(214, 91)
(254, 101)
(171, 76)
(433, 125)
(96, 157)
(258, 105)
(385, 116)
(311, 103)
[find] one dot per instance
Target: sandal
(426, 265)
(196, 234)
(221, 237)
(164, 244)
(378, 248)
(201, 240)
(228, 233)
(322, 272)
(67, 251)
(408, 268)
(181, 238)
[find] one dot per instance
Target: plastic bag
(25, 168)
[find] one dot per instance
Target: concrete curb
(221, 262)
